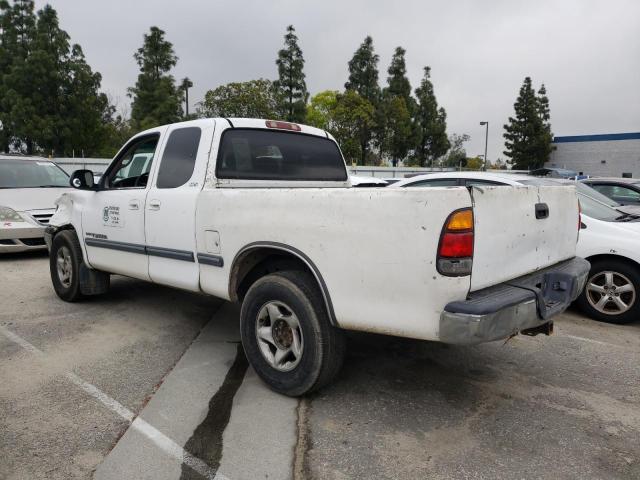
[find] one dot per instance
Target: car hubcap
(610, 293)
(63, 263)
(279, 336)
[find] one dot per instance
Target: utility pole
(486, 141)
(186, 85)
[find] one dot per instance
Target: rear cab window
(258, 154)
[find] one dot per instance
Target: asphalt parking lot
(149, 382)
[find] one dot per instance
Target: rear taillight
(455, 252)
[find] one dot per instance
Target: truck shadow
(34, 255)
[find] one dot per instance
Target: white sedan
(609, 239)
(29, 187)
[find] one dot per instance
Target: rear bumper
(503, 310)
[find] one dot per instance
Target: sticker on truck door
(111, 217)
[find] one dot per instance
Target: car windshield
(593, 203)
(31, 174)
(596, 195)
(581, 188)
(594, 209)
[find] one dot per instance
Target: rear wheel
(286, 333)
(612, 292)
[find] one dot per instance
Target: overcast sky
(587, 52)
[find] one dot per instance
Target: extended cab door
(171, 205)
(113, 217)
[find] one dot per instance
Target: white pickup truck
(262, 212)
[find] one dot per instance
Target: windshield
(596, 195)
(31, 174)
(581, 188)
(594, 209)
(593, 203)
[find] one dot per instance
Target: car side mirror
(82, 180)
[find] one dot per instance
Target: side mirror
(82, 180)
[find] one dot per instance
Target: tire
(271, 306)
(604, 275)
(65, 245)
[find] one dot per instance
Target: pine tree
(430, 123)
(156, 100)
(528, 135)
(291, 79)
(363, 79)
(47, 70)
(544, 114)
(50, 96)
(395, 131)
(18, 32)
(88, 111)
(398, 83)
(363, 72)
(8, 55)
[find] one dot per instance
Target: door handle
(134, 204)
(154, 204)
(542, 210)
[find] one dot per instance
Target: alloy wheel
(610, 292)
(279, 336)
(64, 266)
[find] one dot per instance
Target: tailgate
(510, 241)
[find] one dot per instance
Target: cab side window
(132, 168)
(179, 157)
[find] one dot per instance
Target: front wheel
(286, 333)
(65, 260)
(611, 292)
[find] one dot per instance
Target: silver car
(29, 187)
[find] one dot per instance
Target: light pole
(186, 85)
(486, 141)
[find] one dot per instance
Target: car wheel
(612, 292)
(286, 333)
(65, 260)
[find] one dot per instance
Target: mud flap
(93, 282)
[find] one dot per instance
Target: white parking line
(167, 445)
(589, 340)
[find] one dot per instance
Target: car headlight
(9, 215)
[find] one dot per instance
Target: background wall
(598, 155)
